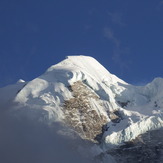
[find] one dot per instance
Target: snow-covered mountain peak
(84, 65)
(83, 62)
(80, 93)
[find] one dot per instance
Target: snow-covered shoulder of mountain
(141, 110)
(81, 85)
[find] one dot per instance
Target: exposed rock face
(146, 148)
(80, 115)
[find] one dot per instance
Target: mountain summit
(98, 106)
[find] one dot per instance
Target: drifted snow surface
(139, 108)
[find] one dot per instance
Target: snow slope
(128, 110)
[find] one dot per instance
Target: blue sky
(124, 36)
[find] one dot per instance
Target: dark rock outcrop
(81, 116)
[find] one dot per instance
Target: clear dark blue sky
(126, 36)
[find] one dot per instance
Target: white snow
(20, 81)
